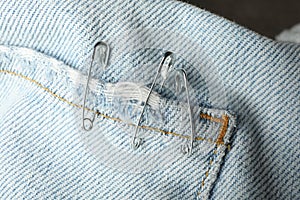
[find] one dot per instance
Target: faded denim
(245, 100)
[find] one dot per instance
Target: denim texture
(244, 91)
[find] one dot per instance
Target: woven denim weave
(245, 96)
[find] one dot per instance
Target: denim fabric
(244, 92)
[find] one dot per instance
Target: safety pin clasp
(100, 57)
(162, 70)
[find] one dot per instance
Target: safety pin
(163, 69)
(106, 56)
(187, 149)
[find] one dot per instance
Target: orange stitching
(228, 147)
(224, 120)
(223, 130)
(206, 175)
(205, 116)
(220, 141)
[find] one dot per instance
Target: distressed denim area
(236, 77)
(42, 117)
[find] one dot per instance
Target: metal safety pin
(187, 149)
(106, 56)
(163, 69)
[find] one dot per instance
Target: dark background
(267, 17)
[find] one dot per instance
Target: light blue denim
(244, 92)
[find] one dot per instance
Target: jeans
(244, 92)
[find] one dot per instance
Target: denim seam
(220, 141)
(219, 138)
(204, 116)
(65, 76)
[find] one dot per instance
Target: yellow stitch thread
(108, 117)
(224, 121)
(207, 173)
(219, 141)
(229, 147)
(223, 130)
(206, 116)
